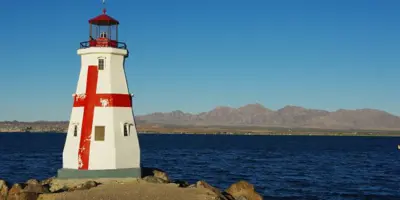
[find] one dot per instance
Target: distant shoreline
(344, 134)
(160, 128)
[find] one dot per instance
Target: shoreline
(187, 129)
(327, 134)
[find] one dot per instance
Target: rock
(47, 181)
(15, 190)
(161, 175)
(57, 187)
(46, 189)
(243, 189)
(32, 181)
(3, 190)
(152, 179)
(221, 195)
(182, 183)
(46, 184)
(17, 193)
(34, 186)
(146, 171)
(158, 173)
(203, 184)
(85, 186)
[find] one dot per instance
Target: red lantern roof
(103, 19)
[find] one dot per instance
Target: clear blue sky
(194, 55)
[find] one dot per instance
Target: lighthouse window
(101, 64)
(99, 133)
(75, 130)
(126, 129)
(103, 35)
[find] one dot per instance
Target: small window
(99, 133)
(103, 35)
(75, 130)
(126, 129)
(101, 64)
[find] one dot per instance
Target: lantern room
(103, 32)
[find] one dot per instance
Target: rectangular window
(75, 130)
(125, 129)
(101, 64)
(99, 133)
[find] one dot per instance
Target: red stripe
(87, 121)
(106, 100)
(79, 101)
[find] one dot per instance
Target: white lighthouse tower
(102, 140)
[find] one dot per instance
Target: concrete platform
(95, 174)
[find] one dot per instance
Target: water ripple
(279, 167)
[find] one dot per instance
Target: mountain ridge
(289, 116)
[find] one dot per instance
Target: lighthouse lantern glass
(103, 32)
(109, 32)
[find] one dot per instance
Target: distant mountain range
(287, 117)
(253, 116)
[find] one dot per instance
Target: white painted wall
(71, 146)
(127, 147)
(102, 153)
(112, 77)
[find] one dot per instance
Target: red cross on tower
(89, 101)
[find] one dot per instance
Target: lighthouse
(102, 141)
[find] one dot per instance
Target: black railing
(111, 43)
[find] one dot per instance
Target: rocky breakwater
(155, 185)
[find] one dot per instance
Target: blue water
(280, 167)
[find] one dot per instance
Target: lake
(280, 167)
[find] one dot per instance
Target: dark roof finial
(104, 9)
(104, 19)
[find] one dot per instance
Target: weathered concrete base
(94, 174)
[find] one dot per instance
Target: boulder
(221, 195)
(47, 181)
(15, 190)
(161, 175)
(34, 186)
(158, 173)
(243, 190)
(3, 190)
(57, 187)
(17, 193)
(154, 175)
